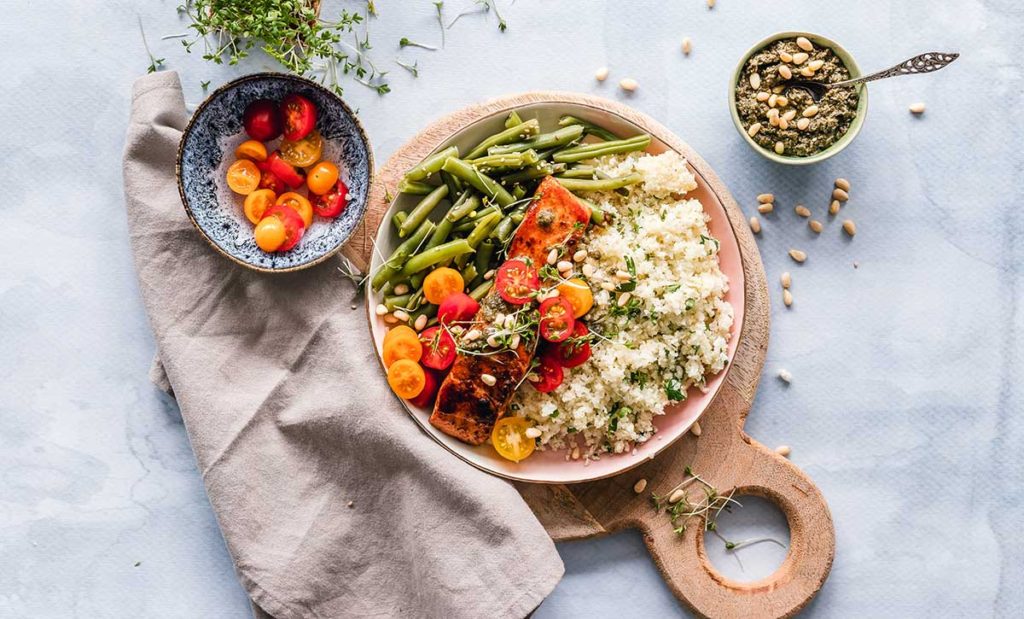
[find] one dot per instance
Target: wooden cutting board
(723, 454)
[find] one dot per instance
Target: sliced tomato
(575, 350)
(438, 348)
(431, 384)
(550, 373)
(510, 440)
(304, 152)
(262, 120)
(269, 180)
(293, 225)
(556, 319)
(299, 117)
(516, 281)
(332, 203)
(458, 307)
(285, 171)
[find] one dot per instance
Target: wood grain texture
(723, 455)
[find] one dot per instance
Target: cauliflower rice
(670, 333)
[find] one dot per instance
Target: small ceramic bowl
(841, 143)
(207, 149)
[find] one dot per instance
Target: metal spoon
(924, 63)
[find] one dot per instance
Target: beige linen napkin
(332, 501)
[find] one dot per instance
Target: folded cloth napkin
(331, 500)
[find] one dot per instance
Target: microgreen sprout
(155, 64)
(411, 68)
(407, 42)
(440, 19)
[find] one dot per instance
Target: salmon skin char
(466, 407)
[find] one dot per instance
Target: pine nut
(488, 380)
(849, 227)
(381, 309)
(773, 99)
(628, 84)
(803, 123)
(814, 65)
(802, 210)
(553, 256)
(515, 341)
(789, 115)
(786, 56)
(401, 315)
(687, 45)
(489, 275)
(623, 275)
(677, 496)
(765, 198)
(834, 207)
(695, 428)
(783, 124)
(421, 321)
(843, 184)
(797, 255)
(639, 486)
(782, 101)
(785, 375)
(755, 80)
(778, 89)
(564, 265)
(787, 297)
(764, 209)
(390, 319)
(917, 108)
(786, 279)
(532, 433)
(839, 194)
(804, 43)
(588, 270)
(601, 74)
(576, 453)
(608, 286)
(472, 334)
(773, 119)
(753, 129)
(815, 225)
(800, 57)
(780, 147)
(755, 225)
(783, 450)
(579, 256)
(401, 289)
(810, 111)
(807, 72)
(763, 96)
(623, 299)
(785, 72)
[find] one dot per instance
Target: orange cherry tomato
(402, 344)
(407, 378)
(243, 177)
(257, 203)
(441, 283)
(305, 152)
(253, 150)
(299, 203)
(401, 331)
(578, 294)
(270, 234)
(322, 177)
(510, 440)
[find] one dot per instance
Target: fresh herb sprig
(155, 64)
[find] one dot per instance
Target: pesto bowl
(855, 126)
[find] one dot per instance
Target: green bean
(431, 164)
(416, 281)
(513, 120)
(538, 170)
(483, 183)
(481, 291)
(479, 233)
(422, 210)
(503, 231)
(437, 254)
(579, 184)
(579, 172)
(508, 161)
(589, 127)
(414, 187)
(398, 257)
(517, 132)
(596, 212)
(600, 149)
(482, 259)
(454, 185)
(469, 272)
(471, 223)
(517, 218)
(440, 235)
(398, 300)
(465, 205)
(543, 141)
(429, 310)
(398, 218)
(518, 192)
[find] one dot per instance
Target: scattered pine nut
(401, 315)
(787, 297)
(800, 57)
(576, 453)
(849, 227)
(843, 184)
(815, 225)
(802, 210)
(755, 225)
(773, 117)
(755, 80)
(623, 299)
(785, 56)
(489, 275)
(807, 72)
(778, 89)
(381, 309)
(797, 255)
(783, 124)
(563, 266)
(764, 209)
(763, 96)
(677, 496)
(789, 114)
(765, 198)
(786, 279)
(803, 123)
(810, 111)
(579, 256)
(783, 450)
(804, 43)
(628, 84)
(687, 45)
(695, 428)
(390, 319)
(601, 74)
(753, 129)
(782, 101)
(421, 321)
(553, 256)
(839, 194)
(640, 486)
(401, 288)
(588, 270)
(917, 108)
(785, 375)
(780, 148)
(488, 379)
(814, 65)
(773, 100)
(785, 72)
(833, 208)
(532, 433)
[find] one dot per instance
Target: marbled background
(905, 405)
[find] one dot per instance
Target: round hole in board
(761, 536)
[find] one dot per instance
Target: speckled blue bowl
(199, 167)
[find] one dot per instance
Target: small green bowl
(858, 120)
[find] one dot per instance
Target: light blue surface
(905, 406)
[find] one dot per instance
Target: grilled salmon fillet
(466, 407)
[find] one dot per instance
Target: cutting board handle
(811, 548)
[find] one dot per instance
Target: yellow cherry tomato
(406, 378)
(298, 202)
(441, 283)
(322, 177)
(270, 234)
(257, 203)
(578, 294)
(253, 150)
(510, 440)
(402, 343)
(243, 177)
(303, 153)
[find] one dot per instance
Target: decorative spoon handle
(924, 63)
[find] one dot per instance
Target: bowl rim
(220, 90)
(851, 64)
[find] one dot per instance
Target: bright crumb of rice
(670, 334)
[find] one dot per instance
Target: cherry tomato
(299, 116)
(556, 321)
(243, 177)
(442, 282)
(402, 342)
(269, 180)
(407, 378)
(262, 120)
(510, 440)
(270, 234)
(293, 226)
(578, 294)
(257, 203)
(438, 348)
(516, 281)
(430, 386)
(322, 177)
(251, 149)
(458, 307)
(299, 204)
(575, 350)
(332, 203)
(305, 152)
(292, 176)
(550, 374)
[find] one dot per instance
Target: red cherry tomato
(299, 116)
(556, 319)
(458, 307)
(516, 281)
(292, 176)
(550, 373)
(262, 120)
(293, 225)
(332, 203)
(438, 348)
(426, 397)
(575, 350)
(269, 180)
